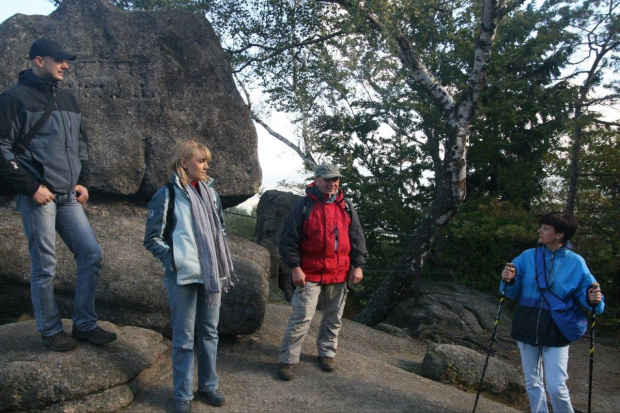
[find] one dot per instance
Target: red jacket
(326, 241)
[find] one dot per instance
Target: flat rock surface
(370, 376)
(33, 376)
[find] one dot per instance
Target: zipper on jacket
(538, 318)
(62, 117)
(335, 238)
(542, 300)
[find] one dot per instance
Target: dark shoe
(287, 371)
(184, 406)
(214, 397)
(327, 363)
(59, 341)
(96, 336)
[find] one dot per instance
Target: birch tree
(458, 108)
(301, 54)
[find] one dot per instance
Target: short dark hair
(562, 223)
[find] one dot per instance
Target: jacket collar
(559, 253)
(28, 78)
(318, 196)
(210, 182)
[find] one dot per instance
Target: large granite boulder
(272, 210)
(90, 378)
(130, 290)
(457, 365)
(144, 80)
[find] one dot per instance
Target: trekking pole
(499, 311)
(592, 325)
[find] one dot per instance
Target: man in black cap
(50, 177)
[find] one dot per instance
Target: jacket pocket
(167, 260)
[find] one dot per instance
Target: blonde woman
(185, 231)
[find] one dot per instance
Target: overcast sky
(278, 162)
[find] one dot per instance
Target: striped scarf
(215, 260)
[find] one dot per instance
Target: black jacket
(57, 156)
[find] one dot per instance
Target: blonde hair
(185, 150)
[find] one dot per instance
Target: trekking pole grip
(592, 287)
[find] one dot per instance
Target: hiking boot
(327, 363)
(287, 371)
(182, 406)
(97, 336)
(59, 341)
(214, 397)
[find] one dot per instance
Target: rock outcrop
(89, 378)
(273, 209)
(144, 80)
(448, 308)
(130, 290)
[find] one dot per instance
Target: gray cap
(326, 170)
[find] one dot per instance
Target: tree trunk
(451, 193)
(574, 166)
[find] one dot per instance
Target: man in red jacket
(323, 244)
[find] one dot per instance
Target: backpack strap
(348, 206)
(307, 208)
(169, 216)
(542, 283)
(20, 144)
(308, 204)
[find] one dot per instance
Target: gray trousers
(304, 304)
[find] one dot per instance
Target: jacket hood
(319, 196)
(28, 78)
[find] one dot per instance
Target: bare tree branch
(408, 58)
(306, 157)
(276, 51)
(606, 123)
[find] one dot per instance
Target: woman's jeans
(41, 222)
(189, 315)
(552, 366)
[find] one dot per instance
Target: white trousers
(304, 304)
(550, 364)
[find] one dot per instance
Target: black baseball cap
(47, 47)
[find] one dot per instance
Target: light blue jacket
(184, 251)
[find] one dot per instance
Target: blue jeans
(190, 315)
(552, 366)
(41, 222)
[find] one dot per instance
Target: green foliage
(342, 84)
(598, 210)
(475, 245)
(524, 110)
(239, 222)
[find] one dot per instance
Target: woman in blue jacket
(185, 231)
(552, 285)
